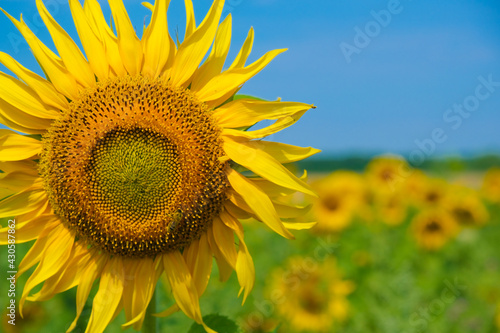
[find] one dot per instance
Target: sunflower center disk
(134, 173)
(133, 166)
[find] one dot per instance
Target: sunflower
(312, 295)
(432, 228)
(128, 171)
(466, 207)
(340, 197)
(491, 185)
(434, 193)
(391, 209)
(415, 186)
(387, 174)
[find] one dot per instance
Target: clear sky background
(384, 75)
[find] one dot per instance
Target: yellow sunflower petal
(157, 58)
(20, 121)
(199, 261)
(241, 58)
(24, 98)
(91, 42)
(183, 287)
(15, 125)
(215, 61)
(192, 51)
(54, 257)
(67, 278)
(221, 87)
(259, 202)
(51, 64)
(27, 231)
(246, 112)
(70, 54)
(34, 254)
(190, 21)
(224, 238)
(245, 270)
(140, 290)
(129, 44)
(264, 165)
(15, 147)
(279, 125)
(170, 311)
(237, 211)
(290, 211)
(108, 297)
(22, 202)
(148, 5)
(130, 294)
(225, 268)
(44, 89)
(244, 264)
(25, 166)
(89, 274)
(19, 181)
(299, 225)
(272, 189)
(98, 23)
(284, 153)
(232, 222)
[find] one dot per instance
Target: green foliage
(237, 97)
(216, 322)
(322, 163)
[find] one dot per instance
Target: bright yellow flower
(466, 207)
(387, 174)
(433, 193)
(310, 296)
(432, 228)
(414, 186)
(341, 194)
(391, 209)
(130, 173)
(491, 185)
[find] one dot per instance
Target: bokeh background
(417, 79)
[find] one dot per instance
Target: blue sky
(386, 76)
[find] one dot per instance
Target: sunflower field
(395, 249)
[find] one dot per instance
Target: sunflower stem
(150, 323)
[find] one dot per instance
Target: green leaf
(236, 97)
(35, 136)
(276, 329)
(216, 322)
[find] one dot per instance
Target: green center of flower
(133, 166)
(134, 173)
